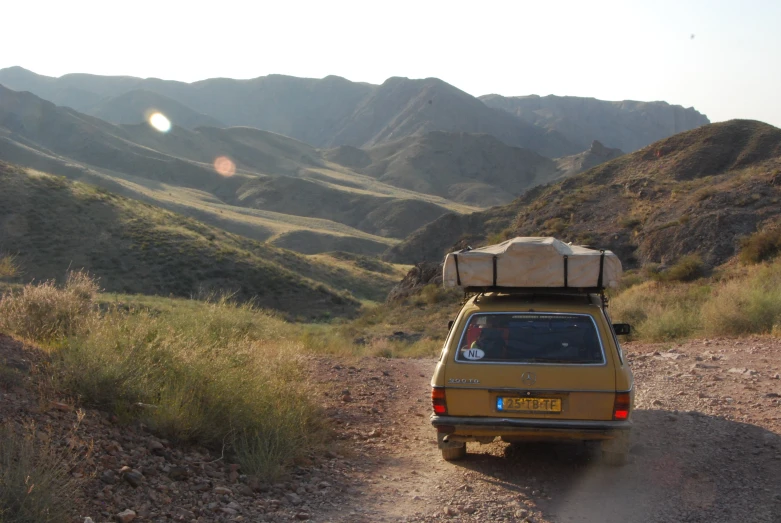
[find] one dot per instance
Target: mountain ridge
(628, 125)
(333, 111)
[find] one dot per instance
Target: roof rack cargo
(539, 263)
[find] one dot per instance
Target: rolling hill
(279, 185)
(699, 191)
(51, 224)
(333, 111)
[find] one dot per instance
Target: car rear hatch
(531, 365)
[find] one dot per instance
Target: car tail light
(621, 406)
(438, 400)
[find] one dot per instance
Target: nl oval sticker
(474, 354)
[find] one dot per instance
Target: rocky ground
(706, 446)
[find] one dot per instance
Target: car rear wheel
(455, 453)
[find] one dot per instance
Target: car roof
(520, 301)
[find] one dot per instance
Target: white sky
(611, 50)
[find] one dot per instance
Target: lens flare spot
(224, 166)
(160, 122)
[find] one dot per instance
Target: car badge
(528, 378)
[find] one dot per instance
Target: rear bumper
(502, 424)
(454, 429)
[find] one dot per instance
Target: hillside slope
(695, 192)
(135, 106)
(51, 225)
(475, 169)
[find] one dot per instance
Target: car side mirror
(449, 325)
(622, 328)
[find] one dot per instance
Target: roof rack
(535, 290)
(538, 291)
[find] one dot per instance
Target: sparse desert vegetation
(739, 301)
(222, 375)
(36, 485)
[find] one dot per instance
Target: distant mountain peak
(598, 149)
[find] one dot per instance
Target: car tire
(615, 452)
(454, 453)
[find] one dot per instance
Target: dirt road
(706, 446)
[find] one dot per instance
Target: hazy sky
(721, 57)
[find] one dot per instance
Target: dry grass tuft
(761, 246)
(44, 312)
(660, 311)
(746, 306)
(687, 268)
(748, 303)
(221, 374)
(8, 267)
(35, 481)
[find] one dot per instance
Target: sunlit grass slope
(49, 224)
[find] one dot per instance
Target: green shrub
(670, 323)
(46, 312)
(630, 222)
(423, 348)
(499, 237)
(660, 311)
(761, 246)
(750, 305)
(554, 226)
(688, 268)
(431, 294)
(631, 278)
(746, 304)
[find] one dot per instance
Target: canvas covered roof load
(532, 262)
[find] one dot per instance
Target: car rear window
(531, 338)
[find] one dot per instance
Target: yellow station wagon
(533, 365)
